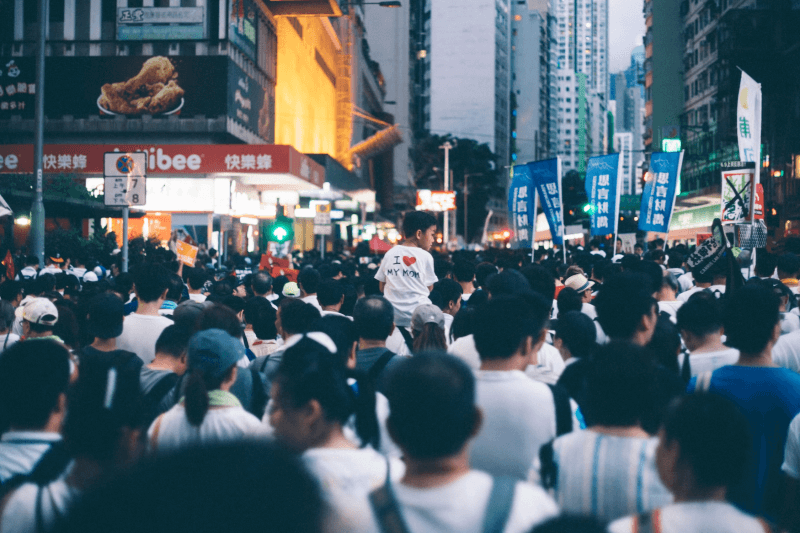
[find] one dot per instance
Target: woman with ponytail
(208, 412)
(427, 326)
(313, 396)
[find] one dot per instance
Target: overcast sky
(626, 29)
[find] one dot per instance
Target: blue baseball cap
(213, 352)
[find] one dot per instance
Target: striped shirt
(607, 476)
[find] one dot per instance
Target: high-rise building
(470, 71)
(533, 82)
(662, 67)
(583, 40)
(574, 119)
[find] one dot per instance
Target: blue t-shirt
(770, 398)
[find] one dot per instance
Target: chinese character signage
(522, 207)
(602, 190)
(546, 177)
(17, 87)
(436, 201)
(748, 120)
(658, 196)
(160, 23)
(737, 188)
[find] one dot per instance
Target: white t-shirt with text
(407, 272)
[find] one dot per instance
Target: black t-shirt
(121, 359)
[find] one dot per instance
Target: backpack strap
(259, 399)
(647, 522)
(548, 467)
(407, 337)
(501, 500)
(703, 382)
(160, 389)
(563, 410)
(686, 370)
(376, 369)
(51, 465)
(386, 508)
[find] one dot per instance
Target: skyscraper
(470, 71)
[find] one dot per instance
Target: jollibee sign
(168, 159)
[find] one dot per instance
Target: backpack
(549, 469)
(51, 465)
(390, 517)
(378, 366)
(407, 337)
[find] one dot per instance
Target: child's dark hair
(417, 221)
(309, 371)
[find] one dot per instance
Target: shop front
(220, 195)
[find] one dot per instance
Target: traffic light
(282, 230)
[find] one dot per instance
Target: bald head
(374, 318)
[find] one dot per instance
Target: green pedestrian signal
(282, 230)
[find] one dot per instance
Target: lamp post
(446, 229)
(37, 209)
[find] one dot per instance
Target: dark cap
(213, 352)
(106, 313)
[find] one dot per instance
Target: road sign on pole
(124, 185)
(322, 220)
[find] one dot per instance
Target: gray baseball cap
(426, 314)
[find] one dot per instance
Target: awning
(264, 166)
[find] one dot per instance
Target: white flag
(748, 121)
(4, 208)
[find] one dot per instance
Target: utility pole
(37, 209)
(446, 230)
(466, 197)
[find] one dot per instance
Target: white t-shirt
(199, 298)
(8, 340)
(791, 457)
(607, 476)
(518, 418)
(786, 352)
(172, 430)
(685, 295)
(346, 477)
(448, 323)
(685, 282)
(710, 361)
(20, 514)
(140, 333)
(549, 367)
(789, 322)
(671, 308)
(312, 299)
(588, 310)
(697, 517)
(20, 451)
(464, 349)
(460, 506)
(407, 272)
(397, 343)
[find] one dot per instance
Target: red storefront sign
(169, 159)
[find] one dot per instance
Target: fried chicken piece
(112, 100)
(157, 69)
(167, 98)
(154, 88)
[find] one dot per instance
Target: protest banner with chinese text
(658, 195)
(546, 176)
(522, 205)
(602, 190)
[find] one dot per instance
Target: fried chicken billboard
(161, 87)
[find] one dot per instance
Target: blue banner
(522, 205)
(658, 196)
(546, 177)
(602, 190)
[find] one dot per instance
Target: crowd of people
(413, 392)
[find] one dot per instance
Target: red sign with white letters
(169, 159)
